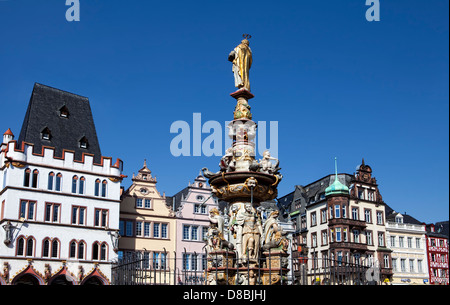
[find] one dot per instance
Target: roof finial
(362, 161)
(335, 167)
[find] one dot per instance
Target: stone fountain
(245, 249)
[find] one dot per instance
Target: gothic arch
(28, 276)
(96, 277)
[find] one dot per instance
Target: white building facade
(59, 217)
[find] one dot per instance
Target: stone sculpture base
(222, 269)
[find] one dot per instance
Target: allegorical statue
(241, 57)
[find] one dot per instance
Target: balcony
(352, 223)
(405, 227)
(348, 245)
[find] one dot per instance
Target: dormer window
(64, 112)
(84, 143)
(46, 134)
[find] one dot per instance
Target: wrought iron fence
(137, 268)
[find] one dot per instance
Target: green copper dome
(337, 188)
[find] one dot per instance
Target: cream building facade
(148, 228)
(407, 239)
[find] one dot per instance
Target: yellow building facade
(148, 230)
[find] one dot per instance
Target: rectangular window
(344, 211)
(82, 216)
(194, 233)
(338, 234)
(52, 212)
(356, 236)
(121, 228)
(324, 238)
(409, 242)
(419, 265)
(369, 239)
(78, 215)
(129, 228)
(185, 232)
(386, 261)
(164, 230)
(204, 233)
(392, 241)
(411, 265)
(147, 229)
(337, 211)
(314, 239)
(418, 243)
(101, 218)
(138, 228)
(323, 215)
(381, 239)
(27, 209)
(367, 216)
(355, 214)
(148, 203)
(400, 242)
(313, 219)
(379, 218)
(139, 202)
(156, 230)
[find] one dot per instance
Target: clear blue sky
(337, 84)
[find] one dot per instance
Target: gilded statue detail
(241, 57)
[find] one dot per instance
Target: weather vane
(247, 36)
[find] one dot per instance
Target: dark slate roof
(309, 194)
(44, 112)
(390, 216)
(442, 227)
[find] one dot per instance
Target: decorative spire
(337, 188)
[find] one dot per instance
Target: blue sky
(338, 85)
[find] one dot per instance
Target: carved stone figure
(273, 234)
(266, 166)
(227, 163)
(251, 233)
(215, 239)
(241, 57)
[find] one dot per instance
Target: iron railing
(137, 268)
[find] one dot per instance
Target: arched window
(55, 248)
(73, 249)
(81, 188)
(26, 178)
(46, 248)
(74, 184)
(97, 187)
(35, 178)
(104, 184)
(30, 246)
(103, 252)
(81, 249)
(58, 182)
(21, 246)
(95, 250)
(50, 181)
